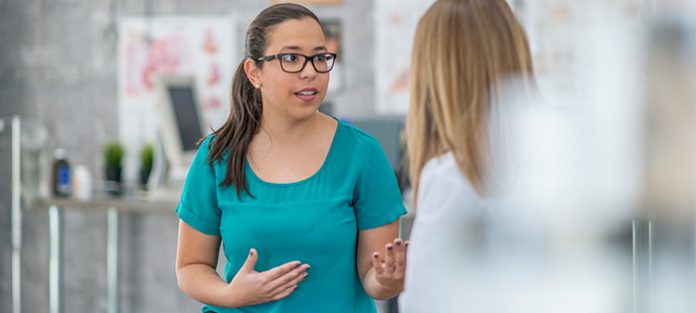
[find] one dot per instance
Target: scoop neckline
(250, 170)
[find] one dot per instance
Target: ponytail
(236, 134)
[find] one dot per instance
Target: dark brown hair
(246, 108)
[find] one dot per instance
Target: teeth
(307, 93)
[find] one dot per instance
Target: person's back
(463, 52)
(451, 208)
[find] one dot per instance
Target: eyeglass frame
(308, 58)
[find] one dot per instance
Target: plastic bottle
(82, 183)
(61, 174)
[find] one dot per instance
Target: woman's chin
(304, 111)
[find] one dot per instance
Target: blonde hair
(462, 50)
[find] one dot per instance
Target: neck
(282, 129)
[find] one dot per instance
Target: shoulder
(206, 142)
(358, 138)
(443, 170)
(204, 146)
(441, 180)
(442, 167)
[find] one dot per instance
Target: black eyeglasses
(295, 62)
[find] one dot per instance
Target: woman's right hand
(250, 287)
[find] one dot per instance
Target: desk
(112, 206)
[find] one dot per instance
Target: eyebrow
(296, 48)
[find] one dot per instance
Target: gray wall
(58, 65)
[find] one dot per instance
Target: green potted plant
(113, 164)
(147, 154)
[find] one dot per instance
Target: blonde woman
(463, 51)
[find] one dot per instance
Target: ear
(253, 72)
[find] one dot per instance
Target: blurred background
(95, 106)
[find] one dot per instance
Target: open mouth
(307, 95)
(307, 92)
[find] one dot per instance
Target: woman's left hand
(390, 266)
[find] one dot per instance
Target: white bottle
(82, 188)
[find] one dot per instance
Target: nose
(308, 72)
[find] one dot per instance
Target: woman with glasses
(463, 53)
(306, 207)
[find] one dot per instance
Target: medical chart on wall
(395, 25)
(199, 46)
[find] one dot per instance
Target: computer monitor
(387, 130)
(182, 123)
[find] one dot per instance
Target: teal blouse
(315, 221)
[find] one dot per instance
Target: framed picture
(331, 2)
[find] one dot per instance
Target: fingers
(399, 256)
(284, 293)
(389, 257)
(250, 261)
(376, 264)
(281, 270)
(394, 263)
(288, 279)
(292, 282)
(405, 253)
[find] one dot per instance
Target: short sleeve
(377, 198)
(198, 206)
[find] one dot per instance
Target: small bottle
(82, 183)
(61, 174)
